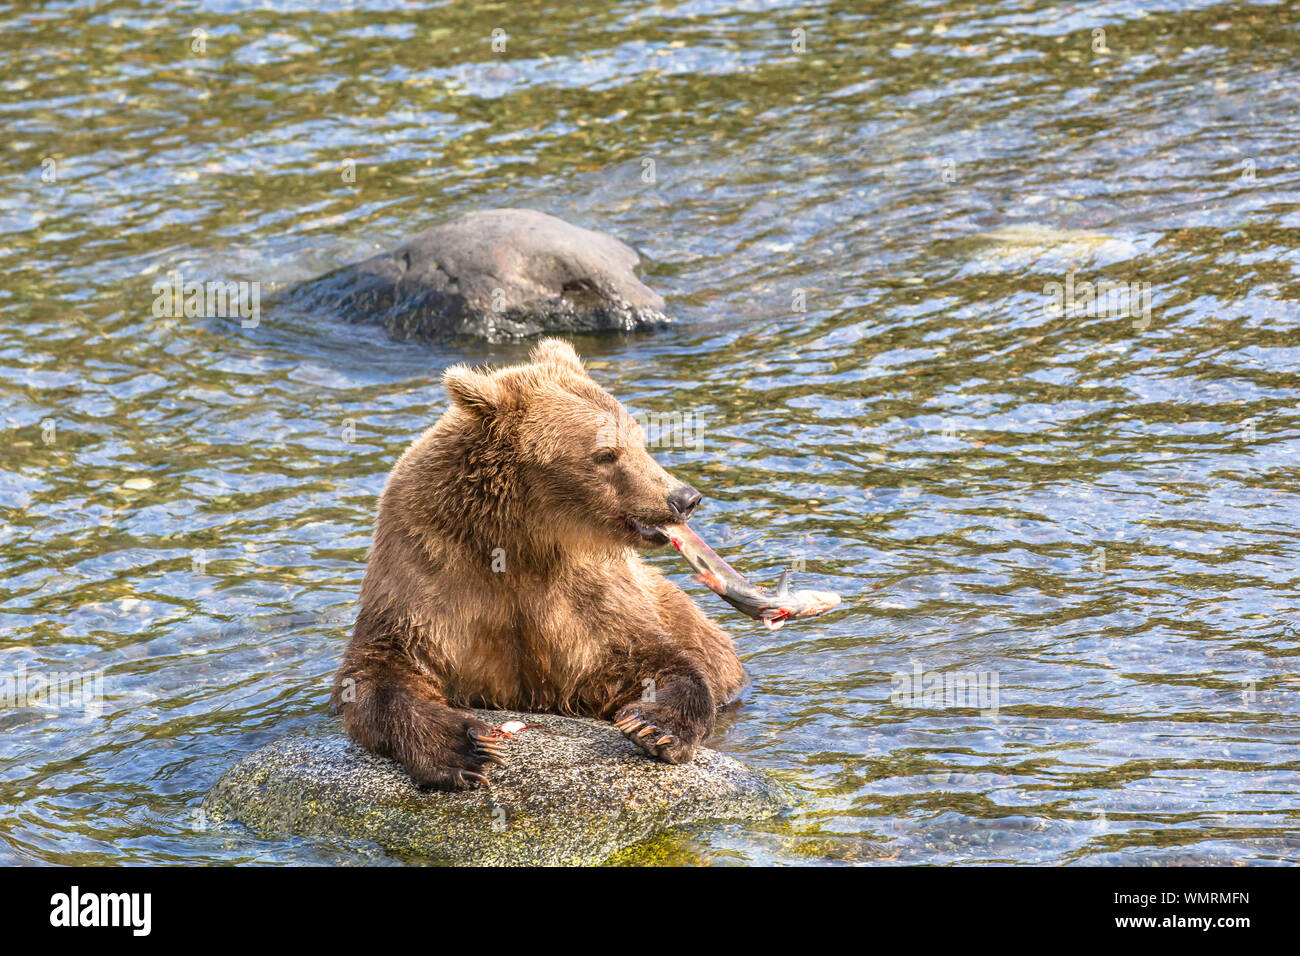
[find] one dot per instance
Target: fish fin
(783, 585)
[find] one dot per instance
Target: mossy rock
(574, 791)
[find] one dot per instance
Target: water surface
(1095, 513)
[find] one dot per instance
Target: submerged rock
(1032, 247)
(575, 791)
(501, 273)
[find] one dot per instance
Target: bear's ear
(558, 352)
(471, 390)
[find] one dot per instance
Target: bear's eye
(605, 456)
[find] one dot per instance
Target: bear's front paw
(462, 762)
(658, 731)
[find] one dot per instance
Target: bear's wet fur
(504, 573)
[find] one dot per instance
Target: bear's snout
(683, 501)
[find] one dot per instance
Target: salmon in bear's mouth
(773, 608)
(644, 533)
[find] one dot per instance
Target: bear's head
(549, 434)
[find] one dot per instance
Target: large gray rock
(497, 274)
(574, 791)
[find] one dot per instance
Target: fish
(773, 608)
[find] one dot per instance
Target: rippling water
(1091, 515)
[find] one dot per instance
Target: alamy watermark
(1104, 298)
(175, 298)
(656, 429)
(940, 690)
(57, 690)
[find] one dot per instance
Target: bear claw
(488, 748)
(644, 736)
(658, 741)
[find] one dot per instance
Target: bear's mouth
(645, 534)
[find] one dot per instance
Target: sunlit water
(1093, 517)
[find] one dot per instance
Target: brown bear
(504, 573)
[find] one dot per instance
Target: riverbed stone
(494, 274)
(1038, 248)
(574, 791)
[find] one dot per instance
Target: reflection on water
(1068, 529)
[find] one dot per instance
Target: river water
(1067, 535)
